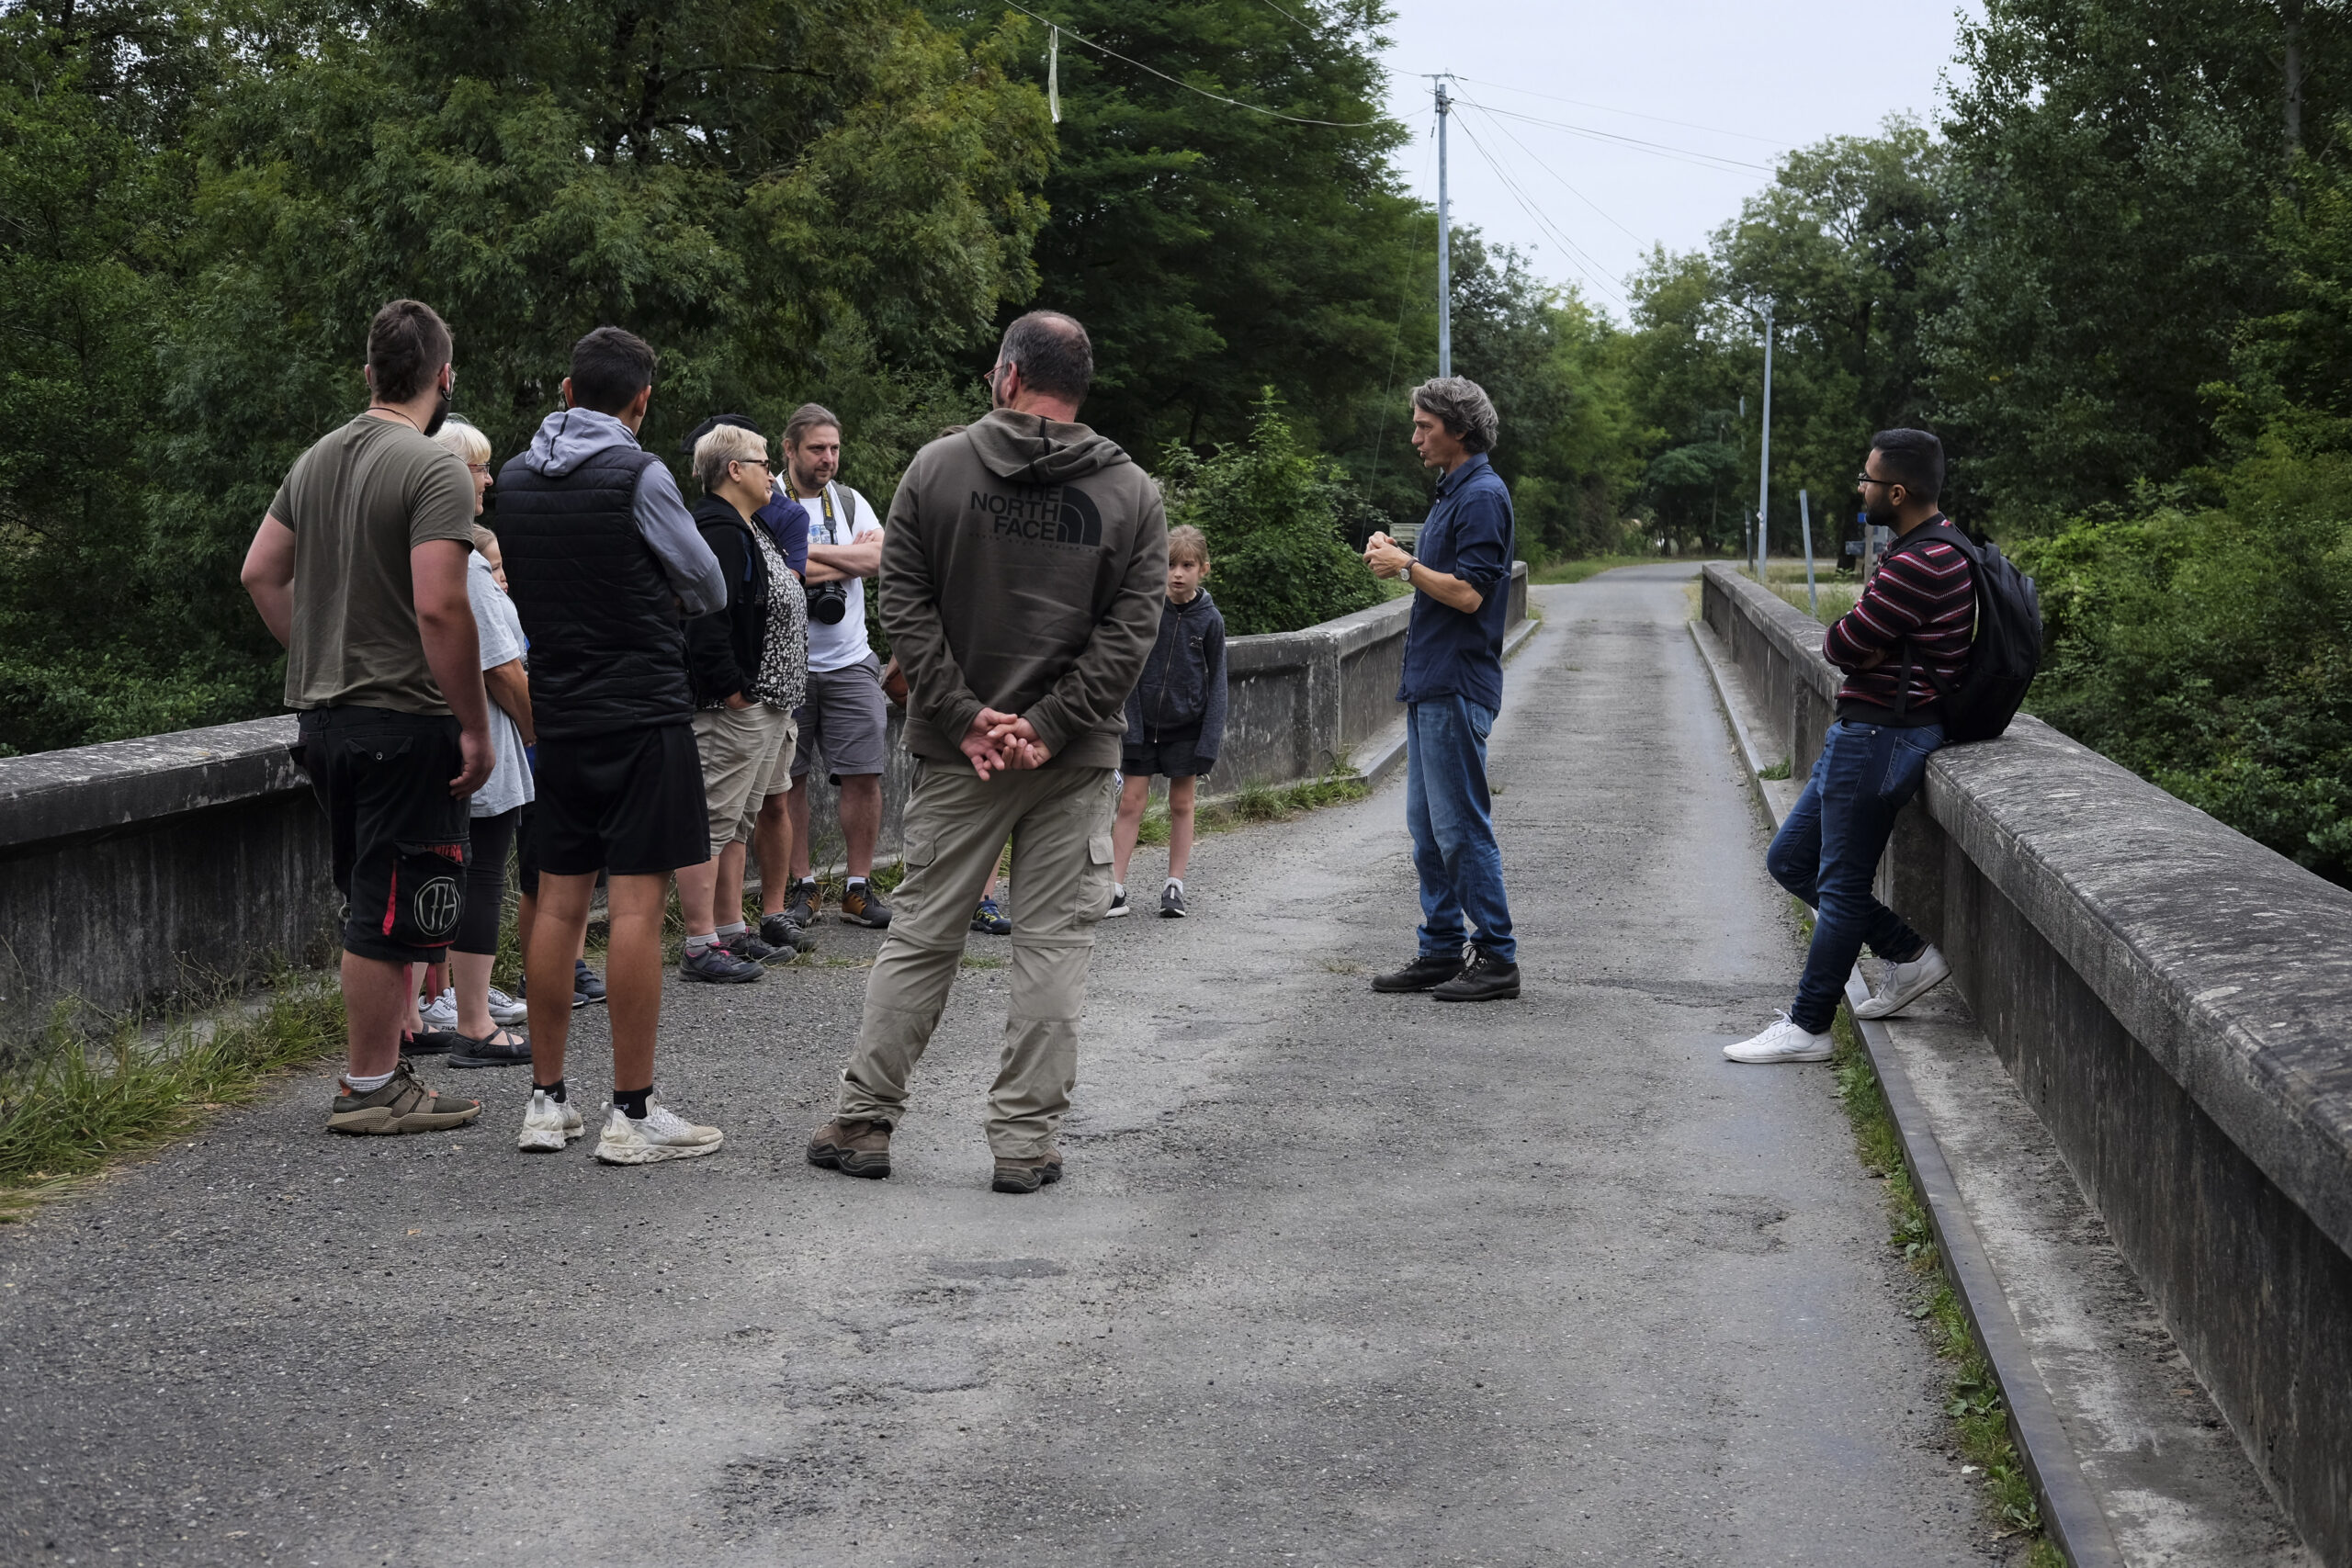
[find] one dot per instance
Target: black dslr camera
(829, 601)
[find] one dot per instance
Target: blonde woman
(477, 1014)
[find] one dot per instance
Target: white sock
(700, 945)
(737, 929)
(1177, 883)
(856, 882)
(366, 1083)
(1118, 890)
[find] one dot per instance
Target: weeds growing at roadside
(1257, 802)
(94, 1090)
(1974, 1400)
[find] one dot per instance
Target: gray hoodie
(1024, 570)
(568, 437)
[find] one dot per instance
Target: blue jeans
(1827, 852)
(1447, 807)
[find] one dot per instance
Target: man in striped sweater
(1910, 631)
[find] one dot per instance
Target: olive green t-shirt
(359, 501)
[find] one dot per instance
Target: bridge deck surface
(1335, 1279)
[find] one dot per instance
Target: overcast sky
(1759, 78)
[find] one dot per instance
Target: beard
(1879, 509)
(440, 413)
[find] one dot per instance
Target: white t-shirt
(839, 646)
(500, 630)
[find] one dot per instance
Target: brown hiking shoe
(1027, 1175)
(403, 1105)
(863, 907)
(854, 1148)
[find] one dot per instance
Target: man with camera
(845, 717)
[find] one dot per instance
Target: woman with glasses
(750, 667)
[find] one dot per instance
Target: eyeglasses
(761, 463)
(989, 376)
(479, 467)
(1865, 479)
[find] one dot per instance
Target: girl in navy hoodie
(1175, 719)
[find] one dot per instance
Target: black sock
(632, 1101)
(554, 1091)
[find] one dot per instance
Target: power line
(1551, 170)
(1578, 257)
(1659, 149)
(1271, 6)
(1630, 114)
(1220, 97)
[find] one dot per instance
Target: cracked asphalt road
(1335, 1279)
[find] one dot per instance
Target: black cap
(686, 447)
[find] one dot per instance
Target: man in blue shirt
(1460, 573)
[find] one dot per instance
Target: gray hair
(727, 444)
(1054, 352)
(1463, 407)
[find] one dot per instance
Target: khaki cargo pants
(1060, 822)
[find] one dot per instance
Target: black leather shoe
(1425, 972)
(1484, 978)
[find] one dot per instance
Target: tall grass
(93, 1090)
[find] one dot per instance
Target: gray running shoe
(718, 966)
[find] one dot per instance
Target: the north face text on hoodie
(1051, 514)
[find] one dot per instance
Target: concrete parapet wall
(2176, 1002)
(142, 871)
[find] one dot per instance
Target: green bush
(1273, 512)
(2210, 650)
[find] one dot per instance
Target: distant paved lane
(1335, 1279)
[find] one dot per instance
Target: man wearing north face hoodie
(1023, 573)
(604, 564)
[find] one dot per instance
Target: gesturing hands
(997, 742)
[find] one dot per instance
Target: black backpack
(2008, 646)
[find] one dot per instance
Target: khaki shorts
(740, 748)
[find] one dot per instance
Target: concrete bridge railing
(2176, 1002)
(139, 872)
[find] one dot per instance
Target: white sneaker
(1784, 1041)
(547, 1125)
(1906, 984)
(505, 1009)
(441, 1012)
(663, 1134)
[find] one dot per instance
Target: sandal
(499, 1048)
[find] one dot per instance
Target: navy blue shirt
(787, 522)
(1469, 535)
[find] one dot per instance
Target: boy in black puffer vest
(1175, 719)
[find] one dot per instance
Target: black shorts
(1167, 752)
(401, 838)
(630, 803)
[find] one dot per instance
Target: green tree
(1211, 251)
(791, 198)
(2114, 162)
(1273, 513)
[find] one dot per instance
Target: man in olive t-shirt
(359, 569)
(358, 503)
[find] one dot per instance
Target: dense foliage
(1274, 514)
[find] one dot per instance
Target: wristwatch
(1410, 562)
